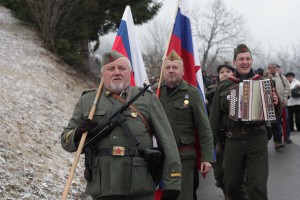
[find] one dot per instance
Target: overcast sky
(272, 23)
(275, 22)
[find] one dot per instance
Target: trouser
(196, 182)
(285, 124)
(187, 179)
(219, 171)
(142, 197)
(294, 110)
(246, 167)
(277, 130)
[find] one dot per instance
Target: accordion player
(251, 101)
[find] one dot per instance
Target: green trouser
(246, 166)
(187, 179)
(219, 171)
(142, 197)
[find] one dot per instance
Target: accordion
(252, 101)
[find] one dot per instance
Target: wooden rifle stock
(82, 141)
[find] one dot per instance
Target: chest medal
(186, 101)
(134, 114)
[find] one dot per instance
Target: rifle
(108, 124)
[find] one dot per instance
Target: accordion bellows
(252, 101)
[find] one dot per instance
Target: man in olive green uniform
(119, 170)
(184, 107)
(246, 154)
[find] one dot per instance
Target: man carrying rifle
(115, 164)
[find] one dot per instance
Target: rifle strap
(133, 108)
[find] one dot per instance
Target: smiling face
(173, 72)
(243, 63)
(116, 75)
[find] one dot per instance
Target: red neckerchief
(236, 79)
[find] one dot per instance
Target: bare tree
(288, 57)
(218, 30)
(56, 19)
(295, 60)
(154, 44)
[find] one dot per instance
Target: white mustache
(117, 78)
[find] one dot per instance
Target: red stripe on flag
(188, 60)
(132, 81)
(175, 43)
(119, 46)
(189, 68)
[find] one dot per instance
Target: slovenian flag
(126, 43)
(183, 43)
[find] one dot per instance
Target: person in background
(206, 79)
(283, 89)
(224, 71)
(246, 154)
(260, 71)
(118, 169)
(293, 103)
(184, 107)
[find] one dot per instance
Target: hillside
(37, 96)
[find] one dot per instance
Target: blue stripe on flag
(182, 30)
(123, 33)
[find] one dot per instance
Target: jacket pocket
(94, 186)
(141, 180)
(182, 112)
(99, 115)
(187, 139)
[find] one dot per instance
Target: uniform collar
(124, 93)
(183, 85)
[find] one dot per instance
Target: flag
(184, 44)
(126, 43)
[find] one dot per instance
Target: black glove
(85, 125)
(170, 195)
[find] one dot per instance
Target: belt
(186, 147)
(120, 151)
(244, 130)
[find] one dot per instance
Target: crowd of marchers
(121, 164)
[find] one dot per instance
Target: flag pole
(166, 51)
(82, 141)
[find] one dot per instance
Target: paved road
(284, 174)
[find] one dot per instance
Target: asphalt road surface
(284, 174)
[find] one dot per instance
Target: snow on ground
(37, 96)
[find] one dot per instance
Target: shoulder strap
(280, 75)
(132, 107)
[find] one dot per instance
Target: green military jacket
(185, 111)
(219, 115)
(115, 175)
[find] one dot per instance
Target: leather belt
(186, 147)
(120, 151)
(244, 130)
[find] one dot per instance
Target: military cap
(110, 56)
(226, 64)
(241, 48)
(173, 56)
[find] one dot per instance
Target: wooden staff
(166, 51)
(82, 141)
